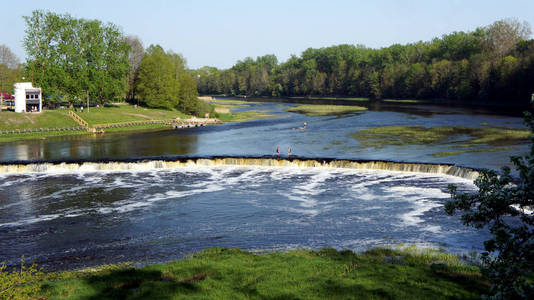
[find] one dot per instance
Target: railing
(47, 129)
(174, 123)
(78, 119)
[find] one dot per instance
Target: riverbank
(58, 122)
(493, 107)
(222, 273)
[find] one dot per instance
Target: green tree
(76, 57)
(163, 82)
(502, 204)
(9, 70)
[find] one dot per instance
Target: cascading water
(147, 165)
(66, 215)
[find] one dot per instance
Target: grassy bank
(119, 113)
(324, 110)
(39, 135)
(46, 119)
(458, 136)
(59, 118)
(221, 273)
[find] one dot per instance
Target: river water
(78, 218)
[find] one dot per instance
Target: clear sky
(218, 33)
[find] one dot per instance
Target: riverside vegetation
(464, 139)
(325, 110)
(222, 273)
(59, 118)
(492, 64)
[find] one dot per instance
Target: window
(27, 96)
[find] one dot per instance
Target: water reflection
(325, 136)
(115, 145)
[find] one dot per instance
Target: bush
(502, 203)
(19, 284)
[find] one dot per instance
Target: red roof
(7, 96)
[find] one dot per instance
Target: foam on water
(199, 205)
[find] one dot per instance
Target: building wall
(20, 96)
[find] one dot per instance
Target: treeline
(78, 60)
(491, 64)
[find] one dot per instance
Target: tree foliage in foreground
(163, 82)
(490, 64)
(73, 58)
(502, 204)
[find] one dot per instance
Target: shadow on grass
(140, 284)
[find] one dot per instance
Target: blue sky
(218, 33)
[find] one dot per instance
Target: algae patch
(462, 139)
(324, 110)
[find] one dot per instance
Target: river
(72, 218)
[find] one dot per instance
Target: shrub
(502, 203)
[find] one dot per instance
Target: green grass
(221, 273)
(38, 135)
(117, 113)
(379, 137)
(333, 98)
(361, 99)
(226, 102)
(245, 116)
(143, 127)
(45, 119)
(324, 110)
(120, 113)
(448, 153)
(404, 101)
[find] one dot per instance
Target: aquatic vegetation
(477, 150)
(248, 115)
(324, 110)
(222, 273)
(447, 153)
(379, 137)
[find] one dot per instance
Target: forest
(492, 64)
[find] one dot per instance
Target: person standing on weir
(278, 151)
(288, 151)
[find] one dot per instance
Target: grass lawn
(119, 113)
(221, 273)
(45, 119)
(324, 110)
(379, 137)
(38, 135)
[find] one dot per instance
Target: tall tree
(163, 82)
(9, 65)
(76, 58)
(503, 35)
(135, 57)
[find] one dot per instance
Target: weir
(157, 163)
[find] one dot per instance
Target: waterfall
(181, 162)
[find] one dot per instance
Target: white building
(28, 98)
